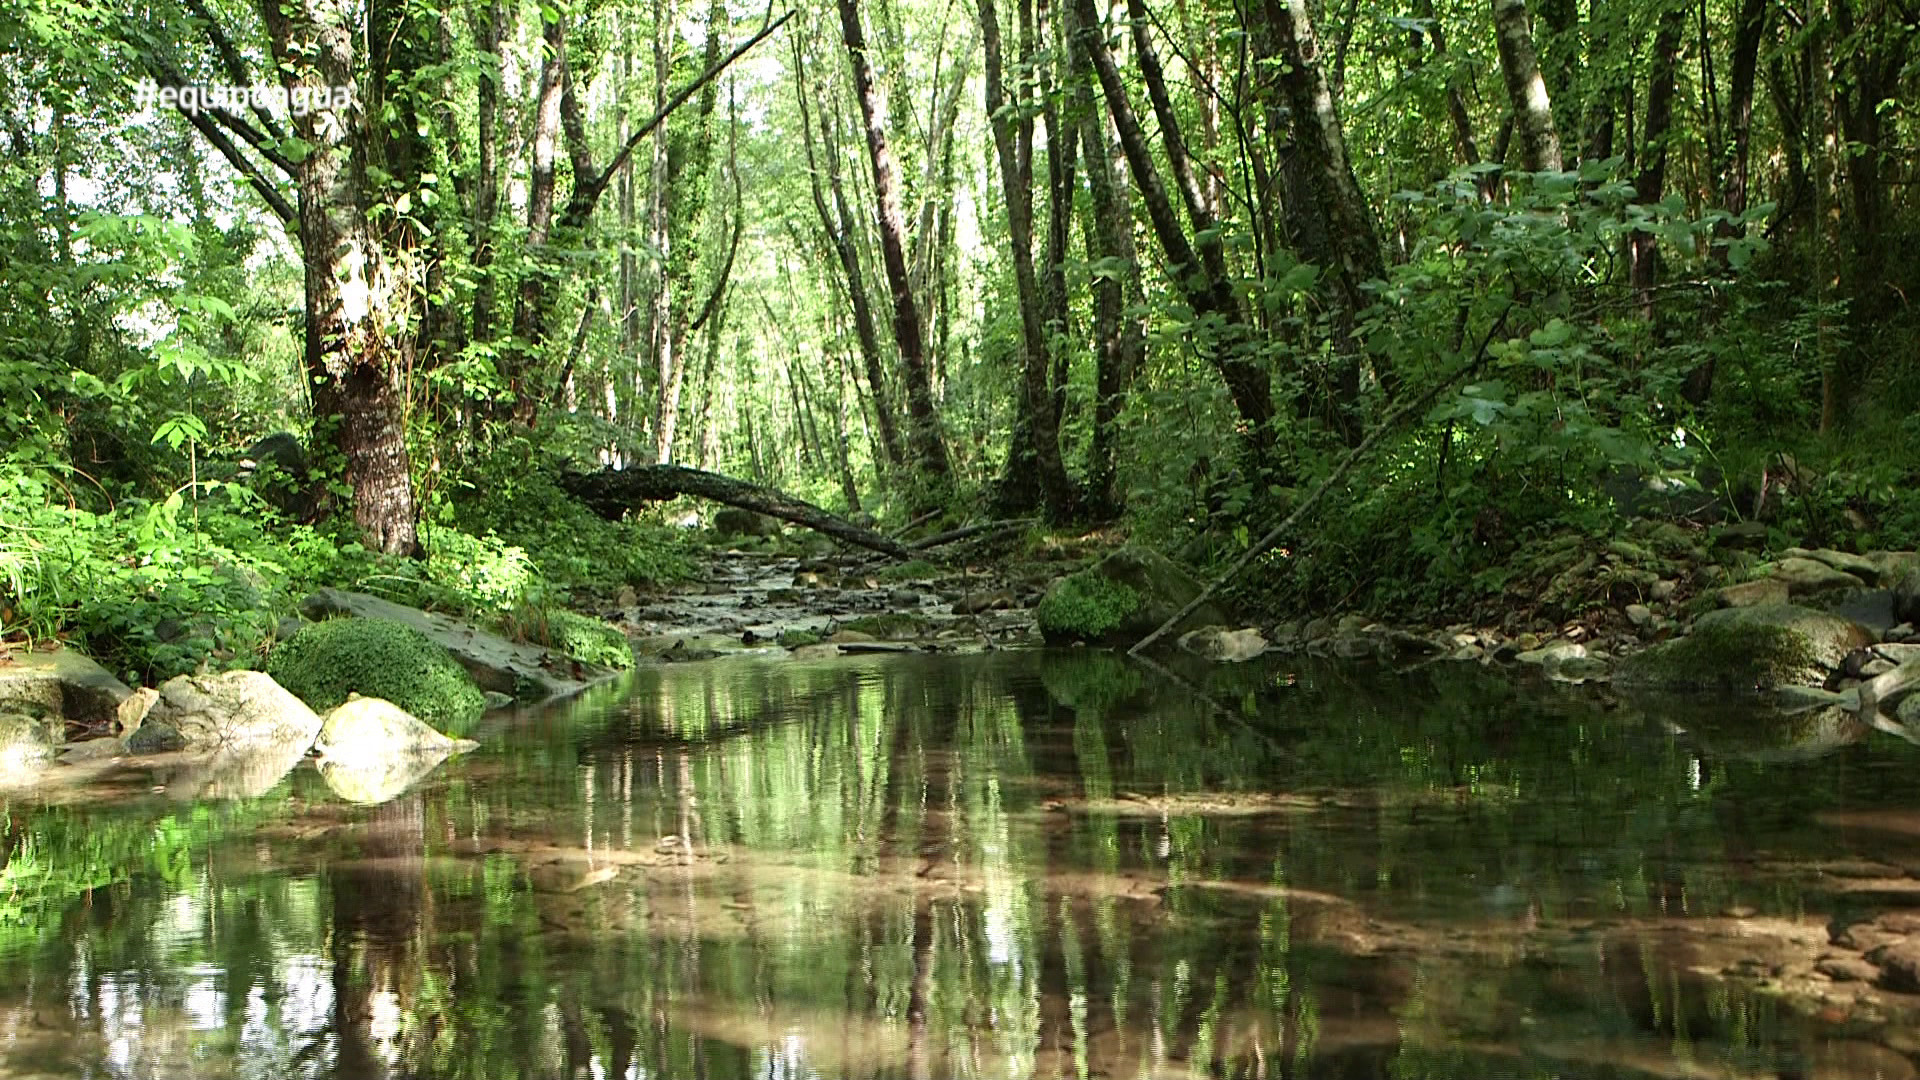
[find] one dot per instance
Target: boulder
(1121, 599)
(62, 683)
(1741, 534)
(1754, 593)
(26, 743)
(226, 711)
(1906, 595)
(976, 602)
(369, 728)
(733, 521)
(1805, 577)
(1222, 645)
(1860, 566)
(527, 672)
(1566, 662)
(1745, 648)
(1899, 964)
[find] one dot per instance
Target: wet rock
(1566, 662)
(733, 521)
(976, 602)
(368, 728)
(527, 672)
(224, 712)
(1866, 569)
(1219, 644)
(1639, 614)
(1664, 589)
(1805, 577)
(1857, 1059)
(1121, 599)
(569, 875)
(1847, 968)
(26, 744)
(1899, 964)
(1763, 646)
(1755, 593)
(903, 598)
(496, 700)
(234, 771)
(1906, 595)
(62, 683)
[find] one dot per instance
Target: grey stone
(1222, 645)
(1639, 614)
(1754, 593)
(223, 712)
(1809, 576)
(369, 728)
(977, 602)
(1831, 636)
(63, 683)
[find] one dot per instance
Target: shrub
(327, 661)
(586, 639)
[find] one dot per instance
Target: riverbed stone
(372, 728)
(215, 712)
(26, 743)
(1219, 644)
(1566, 661)
(1899, 964)
(1755, 593)
(1121, 599)
(1804, 577)
(974, 603)
(1860, 566)
(527, 672)
(61, 682)
(1906, 595)
(371, 781)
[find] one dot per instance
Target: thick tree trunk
(612, 492)
(356, 398)
(1532, 109)
(923, 434)
(1034, 473)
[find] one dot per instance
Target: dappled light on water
(1008, 865)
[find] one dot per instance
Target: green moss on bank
(1085, 607)
(327, 661)
(589, 640)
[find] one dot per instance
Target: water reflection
(1009, 865)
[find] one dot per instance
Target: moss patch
(327, 661)
(798, 639)
(588, 640)
(915, 570)
(1085, 607)
(1725, 656)
(892, 625)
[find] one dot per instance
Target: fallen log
(612, 492)
(984, 528)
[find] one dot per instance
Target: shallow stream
(1001, 865)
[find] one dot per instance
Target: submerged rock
(371, 781)
(1220, 644)
(63, 683)
(26, 744)
(1567, 662)
(225, 711)
(1121, 599)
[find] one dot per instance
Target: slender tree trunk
(1247, 383)
(1526, 90)
(929, 447)
(356, 399)
(1034, 472)
(1750, 28)
(1599, 114)
(530, 310)
(1119, 341)
(1650, 187)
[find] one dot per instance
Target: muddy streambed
(1017, 863)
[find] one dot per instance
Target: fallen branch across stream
(1279, 532)
(612, 492)
(983, 528)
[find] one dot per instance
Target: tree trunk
(1526, 90)
(612, 492)
(1034, 473)
(1650, 186)
(1119, 341)
(1247, 383)
(929, 447)
(356, 399)
(530, 308)
(838, 224)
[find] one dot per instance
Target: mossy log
(612, 492)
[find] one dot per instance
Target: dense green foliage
(1085, 607)
(580, 637)
(326, 661)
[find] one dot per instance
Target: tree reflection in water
(1010, 865)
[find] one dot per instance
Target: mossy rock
(1121, 599)
(588, 640)
(913, 570)
(1759, 647)
(326, 662)
(888, 626)
(798, 639)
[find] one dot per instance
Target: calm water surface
(1020, 864)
